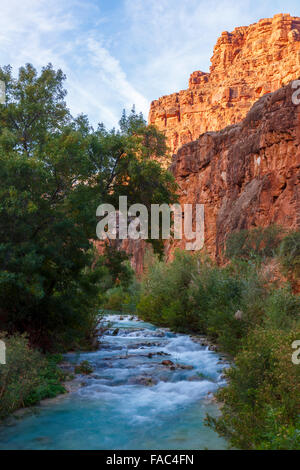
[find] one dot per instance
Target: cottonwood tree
(54, 172)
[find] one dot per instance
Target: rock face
(246, 64)
(247, 174)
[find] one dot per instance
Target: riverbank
(28, 376)
(62, 381)
(44, 377)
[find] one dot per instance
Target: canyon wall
(246, 175)
(234, 135)
(246, 64)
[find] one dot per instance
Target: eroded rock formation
(246, 64)
(247, 174)
(236, 132)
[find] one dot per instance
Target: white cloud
(180, 35)
(173, 38)
(125, 52)
(113, 74)
(40, 32)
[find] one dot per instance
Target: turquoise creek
(131, 400)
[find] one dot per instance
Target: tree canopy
(54, 172)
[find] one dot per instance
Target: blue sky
(119, 52)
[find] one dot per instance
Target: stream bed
(150, 389)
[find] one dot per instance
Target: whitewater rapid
(133, 399)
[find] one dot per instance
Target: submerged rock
(159, 334)
(194, 378)
(43, 439)
(167, 363)
(143, 345)
(173, 366)
(210, 397)
(183, 366)
(142, 380)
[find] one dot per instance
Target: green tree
(54, 172)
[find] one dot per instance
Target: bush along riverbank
(28, 375)
(247, 308)
(31, 378)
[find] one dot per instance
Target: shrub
(28, 376)
(289, 254)
(282, 309)
(121, 298)
(84, 368)
(280, 437)
(217, 295)
(114, 299)
(165, 296)
(192, 294)
(262, 398)
(259, 243)
(50, 381)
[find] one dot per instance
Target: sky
(117, 53)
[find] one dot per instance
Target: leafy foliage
(54, 172)
(84, 368)
(192, 294)
(28, 376)
(261, 402)
(282, 309)
(260, 242)
(289, 254)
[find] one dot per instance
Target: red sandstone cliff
(247, 174)
(246, 64)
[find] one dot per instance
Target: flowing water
(131, 400)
